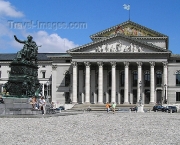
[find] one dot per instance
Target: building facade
(122, 64)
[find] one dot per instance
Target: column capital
(54, 67)
(113, 63)
(100, 63)
(74, 63)
(139, 63)
(152, 63)
(165, 63)
(87, 63)
(126, 63)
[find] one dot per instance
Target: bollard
(84, 110)
(156, 111)
(60, 110)
(167, 111)
(171, 111)
(129, 110)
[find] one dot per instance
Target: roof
(40, 56)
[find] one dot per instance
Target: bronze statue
(29, 51)
(23, 80)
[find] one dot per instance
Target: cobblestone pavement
(93, 128)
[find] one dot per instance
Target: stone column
(165, 79)
(126, 81)
(139, 80)
(100, 83)
(113, 85)
(87, 82)
(54, 72)
(74, 87)
(152, 64)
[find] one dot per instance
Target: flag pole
(129, 14)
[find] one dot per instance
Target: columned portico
(100, 83)
(126, 83)
(113, 86)
(87, 82)
(152, 64)
(139, 79)
(74, 87)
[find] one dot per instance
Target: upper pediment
(118, 43)
(128, 28)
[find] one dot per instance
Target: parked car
(134, 108)
(158, 108)
(169, 108)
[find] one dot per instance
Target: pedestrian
(114, 107)
(108, 107)
(1, 100)
(42, 105)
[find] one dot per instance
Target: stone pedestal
(140, 109)
(17, 106)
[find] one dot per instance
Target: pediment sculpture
(119, 47)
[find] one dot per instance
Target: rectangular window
(43, 74)
(177, 79)
(177, 96)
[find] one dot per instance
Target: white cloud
(50, 42)
(6, 9)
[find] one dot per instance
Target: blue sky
(159, 15)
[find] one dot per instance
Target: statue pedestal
(140, 109)
(17, 106)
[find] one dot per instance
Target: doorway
(159, 96)
(147, 96)
(134, 96)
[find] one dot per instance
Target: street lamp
(140, 98)
(47, 84)
(165, 101)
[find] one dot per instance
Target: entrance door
(122, 96)
(67, 98)
(147, 96)
(159, 96)
(134, 96)
(109, 95)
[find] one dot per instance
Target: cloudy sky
(59, 25)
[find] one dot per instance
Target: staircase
(102, 107)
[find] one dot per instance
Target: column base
(74, 103)
(152, 103)
(126, 103)
(87, 103)
(100, 103)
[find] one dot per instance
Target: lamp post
(165, 98)
(140, 106)
(47, 84)
(140, 97)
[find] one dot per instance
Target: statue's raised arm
(19, 40)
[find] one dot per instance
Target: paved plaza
(92, 128)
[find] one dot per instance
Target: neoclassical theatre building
(122, 64)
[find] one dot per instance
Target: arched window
(122, 78)
(135, 78)
(109, 78)
(147, 79)
(158, 78)
(67, 79)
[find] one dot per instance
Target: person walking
(108, 107)
(42, 105)
(114, 107)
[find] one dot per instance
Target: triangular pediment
(118, 44)
(128, 28)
